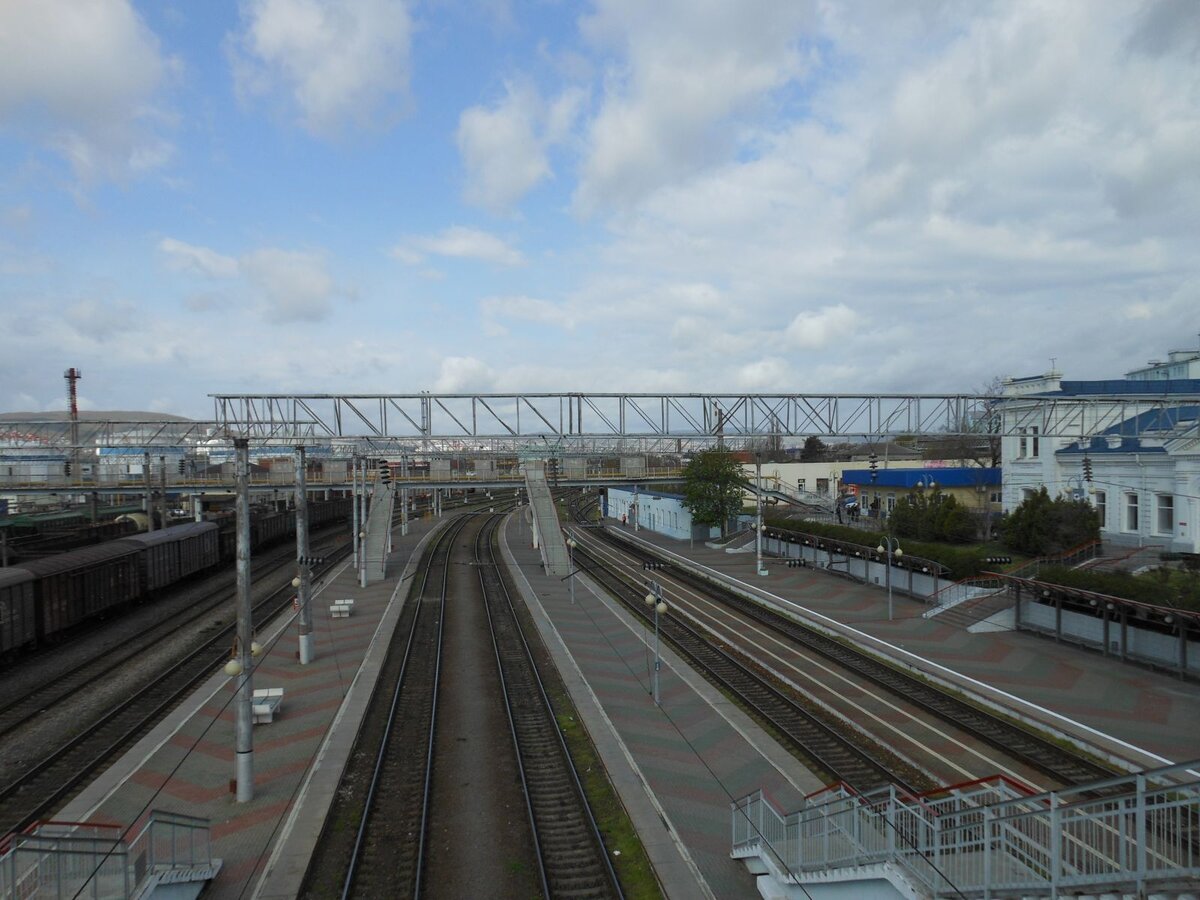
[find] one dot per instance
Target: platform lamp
(892, 546)
(571, 545)
(759, 537)
(654, 600)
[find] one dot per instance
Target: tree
(713, 488)
(1041, 526)
(814, 449)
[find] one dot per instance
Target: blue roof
(1123, 386)
(908, 479)
(1155, 420)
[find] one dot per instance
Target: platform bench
(265, 703)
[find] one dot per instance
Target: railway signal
(310, 560)
(653, 564)
(796, 564)
(997, 559)
(385, 472)
(873, 465)
(1087, 468)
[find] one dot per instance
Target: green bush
(962, 562)
(940, 518)
(1042, 527)
(1159, 587)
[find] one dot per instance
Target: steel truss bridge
(599, 423)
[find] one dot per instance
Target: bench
(341, 609)
(265, 703)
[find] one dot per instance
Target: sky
(392, 196)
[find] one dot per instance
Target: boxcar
(18, 625)
(76, 586)
(171, 554)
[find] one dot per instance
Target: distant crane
(73, 375)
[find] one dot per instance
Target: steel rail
(845, 759)
(1038, 752)
(163, 693)
(560, 817)
(439, 555)
(62, 684)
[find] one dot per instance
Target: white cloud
(183, 257)
(81, 79)
(461, 243)
(687, 71)
(291, 285)
(822, 328)
(505, 148)
(461, 374)
(335, 62)
(529, 309)
(295, 285)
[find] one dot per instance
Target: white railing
(94, 861)
(991, 838)
(961, 591)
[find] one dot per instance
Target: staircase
(992, 838)
(379, 531)
(171, 857)
(545, 518)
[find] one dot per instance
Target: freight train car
(18, 626)
(172, 554)
(83, 584)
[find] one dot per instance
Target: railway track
(1052, 759)
(60, 685)
(389, 813)
(52, 780)
(571, 857)
(825, 747)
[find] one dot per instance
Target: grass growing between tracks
(620, 837)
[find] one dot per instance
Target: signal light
(183, 467)
(1087, 468)
(873, 464)
(653, 564)
(997, 559)
(66, 468)
(385, 472)
(310, 560)
(796, 564)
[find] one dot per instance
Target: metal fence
(991, 838)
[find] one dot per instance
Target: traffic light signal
(385, 472)
(67, 468)
(796, 564)
(997, 559)
(1087, 468)
(183, 467)
(873, 465)
(653, 564)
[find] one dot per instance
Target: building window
(995, 497)
(1131, 512)
(799, 484)
(1026, 494)
(1029, 443)
(1166, 513)
(891, 502)
(1102, 508)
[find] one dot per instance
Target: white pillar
(243, 717)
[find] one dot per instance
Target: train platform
(676, 766)
(1144, 717)
(186, 764)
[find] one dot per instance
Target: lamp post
(654, 600)
(892, 546)
(571, 545)
(758, 535)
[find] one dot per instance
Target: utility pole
(303, 589)
(243, 715)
